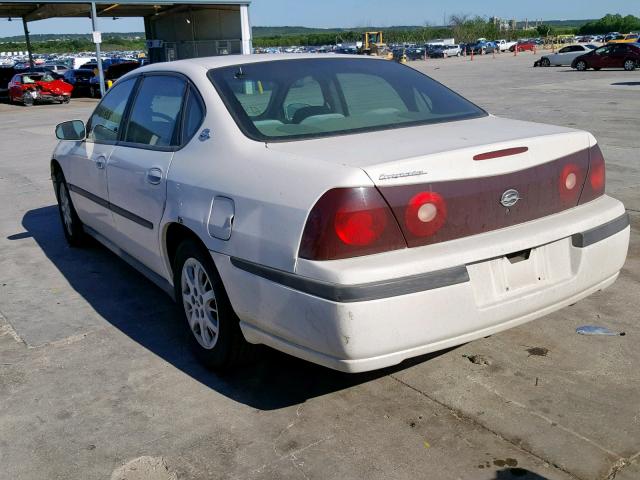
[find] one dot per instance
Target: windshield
(307, 98)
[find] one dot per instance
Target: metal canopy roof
(31, 11)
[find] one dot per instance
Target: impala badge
(510, 198)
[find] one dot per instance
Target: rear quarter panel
(272, 191)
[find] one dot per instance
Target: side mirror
(72, 130)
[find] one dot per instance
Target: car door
(618, 56)
(138, 166)
(560, 57)
(86, 161)
(572, 53)
(600, 57)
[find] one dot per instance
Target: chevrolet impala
(349, 211)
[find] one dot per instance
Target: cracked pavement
(96, 382)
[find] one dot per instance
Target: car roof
(208, 63)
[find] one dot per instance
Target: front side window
(307, 98)
(155, 115)
(104, 124)
(603, 51)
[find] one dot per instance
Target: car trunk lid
(456, 179)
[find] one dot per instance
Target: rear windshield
(307, 98)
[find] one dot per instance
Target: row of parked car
(56, 83)
(583, 57)
(480, 47)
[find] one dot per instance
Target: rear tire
(629, 65)
(581, 66)
(71, 224)
(214, 330)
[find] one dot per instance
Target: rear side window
(105, 123)
(155, 114)
(193, 115)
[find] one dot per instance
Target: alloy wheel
(199, 302)
(629, 65)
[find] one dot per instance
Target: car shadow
(517, 474)
(130, 302)
(626, 84)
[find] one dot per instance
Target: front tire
(27, 99)
(581, 66)
(629, 65)
(545, 62)
(214, 331)
(71, 224)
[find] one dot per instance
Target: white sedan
(349, 211)
(566, 55)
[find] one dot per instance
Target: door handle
(101, 161)
(154, 176)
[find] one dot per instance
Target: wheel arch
(174, 234)
(55, 169)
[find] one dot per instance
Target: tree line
(75, 45)
(611, 23)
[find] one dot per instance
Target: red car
(30, 87)
(524, 46)
(618, 55)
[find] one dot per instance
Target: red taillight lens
(350, 222)
(596, 177)
(594, 186)
(425, 214)
(360, 228)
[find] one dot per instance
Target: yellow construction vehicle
(373, 44)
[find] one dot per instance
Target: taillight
(350, 222)
(570, 182)
(596, 177)
(425, 214)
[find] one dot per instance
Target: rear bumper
(356, 326)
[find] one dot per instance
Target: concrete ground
(95, 381)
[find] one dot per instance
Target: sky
(362, 13)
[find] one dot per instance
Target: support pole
(28, 40)
(245, 25)
(94, 16)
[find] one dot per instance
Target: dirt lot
(95, 381)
